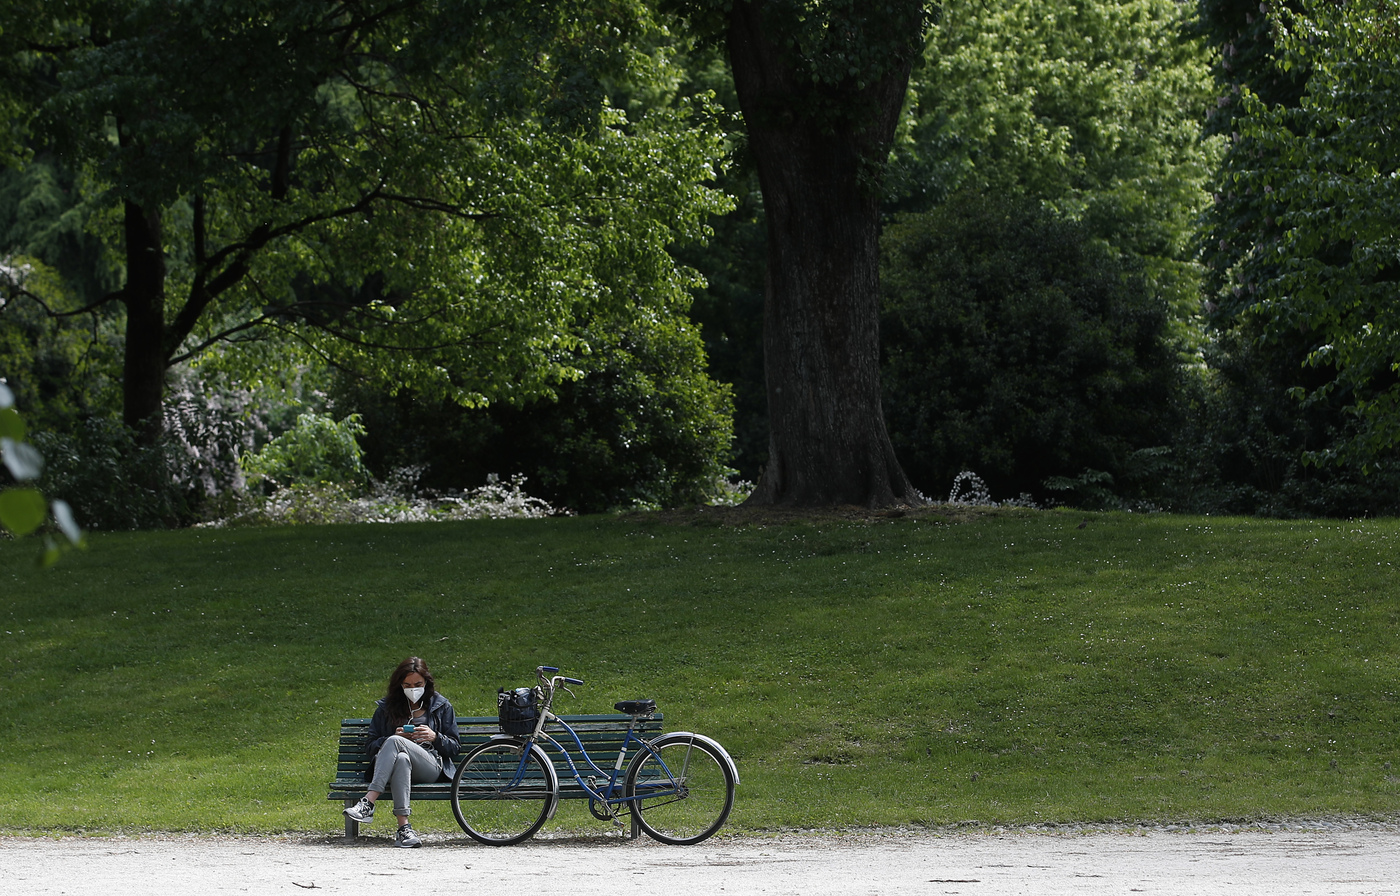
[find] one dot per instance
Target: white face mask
(413, 694)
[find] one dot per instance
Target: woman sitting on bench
(413, 737)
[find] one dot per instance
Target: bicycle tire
(692, 785)
(491, 810)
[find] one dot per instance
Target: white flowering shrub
(391, 501)
(208, 429)
(970, 491)
(728, 492)
(968, 488)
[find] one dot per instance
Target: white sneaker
(406, 838)
(363, 811)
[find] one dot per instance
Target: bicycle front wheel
(682, 790)
(500, 801)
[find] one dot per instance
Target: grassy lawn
(1013, 667)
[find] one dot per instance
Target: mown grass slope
(1009, 667)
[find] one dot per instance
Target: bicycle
(679, 786)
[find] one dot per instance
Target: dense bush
(1017, 347)
(318, 450)
(644, 427)
(1246, 446)
(191, 473)
(111, 481)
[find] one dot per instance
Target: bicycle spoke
(684, 791)
(496, 801)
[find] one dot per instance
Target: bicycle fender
(691, 736)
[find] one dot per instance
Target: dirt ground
(1296, 859)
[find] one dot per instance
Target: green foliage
(192, 471)
(1018, 347)
(729, 308)
(43, 216)
(63, 366)
(1090, 107)
(1296, 248)
(318, 450)
(643, 426)
(116, 482)
(23, 508)
(1243, 447)
(435, 192)
(1243, 36)
(1323, 175)
(830, 42)
(60, 369)
(729, 313)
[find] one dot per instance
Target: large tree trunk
(143, 368)
(819, 150)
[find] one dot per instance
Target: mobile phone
(408, 727)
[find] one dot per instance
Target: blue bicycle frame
(614, 783)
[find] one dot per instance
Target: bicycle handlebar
(544, 672)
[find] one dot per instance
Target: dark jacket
(441, 718)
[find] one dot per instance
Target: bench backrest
(602, 735)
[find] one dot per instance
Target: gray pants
(400, 763)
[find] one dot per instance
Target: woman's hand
(422, 734)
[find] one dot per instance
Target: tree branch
(19, 291)
(297, 311)
(240, 258)
(436, 205)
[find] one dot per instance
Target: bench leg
(352, 827)
(636, 828)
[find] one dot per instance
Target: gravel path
(1323, 858)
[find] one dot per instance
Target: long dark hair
(394, 701)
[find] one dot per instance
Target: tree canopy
(1321, 176)
(1092, 108)
(443, 205)
(435, 192)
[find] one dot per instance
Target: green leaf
(22, 510)
(11, 424)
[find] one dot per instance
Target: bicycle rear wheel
(684, 790)
(499, 802)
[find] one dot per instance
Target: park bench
(602, 736)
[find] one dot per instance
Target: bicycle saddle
(636, 707)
